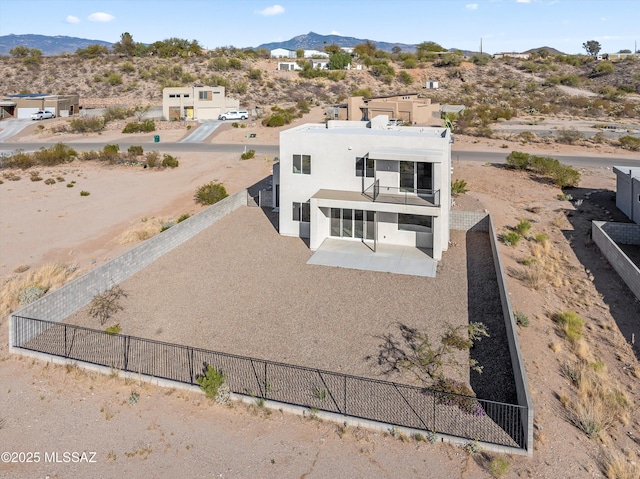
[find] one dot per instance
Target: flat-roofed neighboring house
(196, 102)
(522, 56)
(407, 107)
(367, 182)
(628, 191)
(24, 105)
(288, 66)
(282, 53)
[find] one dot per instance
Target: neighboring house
(315, 54)
(431, 85)
(457, 109)
(319, 64)
(282, 53)
(365, 181)
(406, 107)
(287, 66)
(196, 103)
(523, 56)
(628, 191)
(24, 105)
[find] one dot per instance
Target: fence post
(265, 380)
(344, 382)
(65, 341)
(126, 353)
(191, 365)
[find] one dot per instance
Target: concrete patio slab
(387, 258)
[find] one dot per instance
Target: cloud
(471, 6)
(335, 32)
(604, 19)
(72, 19)
(271, 11)
(100, 17)
(523, 1)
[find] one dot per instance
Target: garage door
(27, 112)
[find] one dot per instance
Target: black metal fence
(384, 401)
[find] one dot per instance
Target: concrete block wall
(602, 232)
(519, 373)
(68, 299)
(469, 220)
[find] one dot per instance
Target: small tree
(592, 47)
(126, 46)
(104, 305)
(339, 60)
(210, 193)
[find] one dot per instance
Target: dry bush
(48, 277)
(141, 232)
(618, 466)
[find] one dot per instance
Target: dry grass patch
(22, 289)
(617, 465)
(140, 232)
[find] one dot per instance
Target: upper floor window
(203, 95)
(365, 167)
(302, 164)
(174, 95)
(186, 95)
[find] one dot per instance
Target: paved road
(274, 150)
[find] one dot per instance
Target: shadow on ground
(600, 205)
(496, 383)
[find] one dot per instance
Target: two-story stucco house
(196, 102)
(365, 181)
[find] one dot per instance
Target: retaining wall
(68, 299)
(606, 235)
(468, 220)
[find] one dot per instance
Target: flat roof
(633, 171)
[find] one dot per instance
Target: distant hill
(315, 41)
(550, 51)
(48, 45)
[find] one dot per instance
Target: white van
(234, 115)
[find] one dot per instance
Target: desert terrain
(133, 426)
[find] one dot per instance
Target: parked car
(234, 115)
(42, 115)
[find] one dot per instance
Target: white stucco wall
(333, 154)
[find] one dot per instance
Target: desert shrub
(87, 125)
(31, 293)
(458, 187)
(274, 121)
(518, 160)
(364, 92)
(114, 79)
(571, 323)
(127, 67)
(248, 155)
(169, 161)
(457, 393)
(337, 75)
(511, 238)
(604, 68)
(35, 176)
(523, 227)
(84, 193)
(599, 138)
(135, 150)
(117, 113)
(211, 381)
(410, 63)
(114, 329)
(106, 304)
(145, 126)
(152, 159)
(55, 155)
(405, 78)
(235, 124)
(569, 136)
(480, 60)
(235, 64)
(303, 106)
(255, 74)
(527, 135)
(183, 217)
(565, 176)
(541, 238)
(20, 160)
(210, 193)
(166, 226)
(499, 466)
(110, 151)
(629, 143)
(569, 80)
(49, 181)
(71, 185)
(521, 319)
(450, 60)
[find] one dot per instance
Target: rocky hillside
(493, 92)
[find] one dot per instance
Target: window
(203, 95)
(302, 212)
(347, 223)
(365, 167)
(302, 164)
(173, 95)
(415, 176)
(418, 223)
(186, 95)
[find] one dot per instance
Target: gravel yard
(239, 287)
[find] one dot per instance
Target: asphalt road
(274, 150)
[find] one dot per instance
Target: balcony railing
(402, 196)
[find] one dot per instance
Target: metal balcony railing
(403, 196)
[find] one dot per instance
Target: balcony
(402, 196)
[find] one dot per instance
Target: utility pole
(480, 46)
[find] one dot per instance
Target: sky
(503, 25)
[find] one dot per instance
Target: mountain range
(49, 46)
(57, 45)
